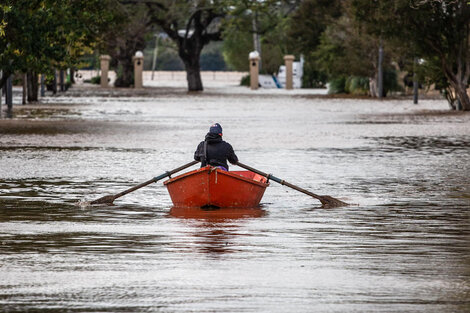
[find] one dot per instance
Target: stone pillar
(104, 65)
(138, 69)
(254, 69)
(289, 60)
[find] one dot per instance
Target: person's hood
(211, 137)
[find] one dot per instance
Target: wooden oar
(326, 201)
(110, 198)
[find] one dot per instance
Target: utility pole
(415, 81)
(256, 42)
(155, 53)
(380, 78)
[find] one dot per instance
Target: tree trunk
(54, 83)
(126, 79)
(458, 77)
(3, 79)
(373, 87)
(62, 80)
(461, 91)
(72, 75)
(193, 73)
(25, 84)
(33, 86)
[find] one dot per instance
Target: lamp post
(380, 78)
(415, 81)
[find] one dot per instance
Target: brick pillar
(289, 60)
(104, 65)
(138, 69)
(254, 69)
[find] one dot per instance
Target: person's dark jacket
(218, 152)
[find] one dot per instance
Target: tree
(346, 50)
(128, 36)
(436, 30)
(191, 25)
(37, 36)
(305, 27)
(258, 25)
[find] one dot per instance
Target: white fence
(167, 77)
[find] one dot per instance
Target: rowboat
(211, 187)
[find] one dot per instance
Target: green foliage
(95, 80)
(40, 35)
(269, 20)
(245, 81)
(337, 85)
(434, 29)
(304, 28)
(313, 77)
(345, 49)
(306, 24)
(123, 40)
(357, 85)
(212, 58)
(236, 47)
(169, 60)
(391, 81)
(191, 25)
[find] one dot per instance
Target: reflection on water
(216, 214)
(403, 248)
(215, 229)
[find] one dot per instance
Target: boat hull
(213, 187)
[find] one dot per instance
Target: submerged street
(402, 246)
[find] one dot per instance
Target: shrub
(245, 81)
(357, 85)
(337, 85)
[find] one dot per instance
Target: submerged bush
(357, 85)
(245, 81)
(337, 85)
(96, 80)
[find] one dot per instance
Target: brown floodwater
(403, 246)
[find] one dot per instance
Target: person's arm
(199, 152)
(232, 157)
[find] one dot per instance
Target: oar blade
(330, 202)
(104, 200)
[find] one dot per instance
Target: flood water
(403, 246)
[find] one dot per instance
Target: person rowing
(214, 151)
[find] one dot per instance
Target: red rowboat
(212, 187)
